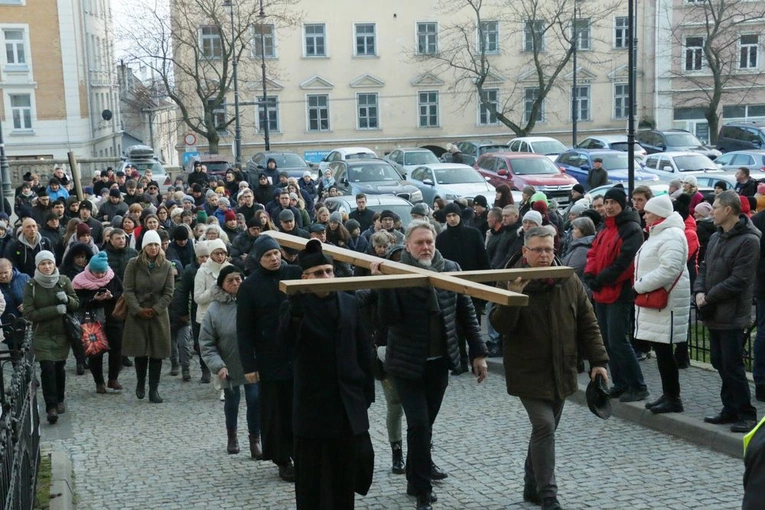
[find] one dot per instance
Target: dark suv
(472, 149)
(673, 140)
(741, 136)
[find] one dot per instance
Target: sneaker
(175, 369)
(205, 379)
(743, 426)
(614, 392)
(634, 396)
(551, 504)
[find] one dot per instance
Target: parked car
(215, 163)
(673, 165)
(142, 157)
(738, 136)
(288, 162)
(346, 153)
(754, 160)
(408, 159)
(614, 142)
(377, 203)
(706, 183)
(372, 177)
(657, 188)
(550, 147)
(578, 162)
(450, 181)
(673, 140)
(472, 149)
(520, 169)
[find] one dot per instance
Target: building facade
(57, 79)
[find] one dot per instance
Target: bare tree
(191, 53)
(466, 50)
(718, 58)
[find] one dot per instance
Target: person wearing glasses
(542, 339)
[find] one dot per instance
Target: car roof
(407, 149)
(372, 200)
(351, 150)
(535, 139)
(482, 142)
(366, 161)
(609, 138)
(518, 155)
(443, 166)
(595, 151)
(678, 153)
(268, 153)
(751, 123)
(751, 151)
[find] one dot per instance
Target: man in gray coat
(723, 292)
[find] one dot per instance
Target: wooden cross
(398, 275)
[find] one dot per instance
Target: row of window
(748, 52)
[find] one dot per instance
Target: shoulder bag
(656, 299)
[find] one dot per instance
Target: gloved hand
(61, 309)
(61, 295)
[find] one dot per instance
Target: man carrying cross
(423, 347)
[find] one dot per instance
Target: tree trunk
(713, 121)
(213, 138)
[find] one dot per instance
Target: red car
(520, 169)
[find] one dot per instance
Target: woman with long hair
(265, 221)
(148, 290)
(130, 226)
(504, 196)
(71, 230)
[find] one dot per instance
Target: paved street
(131, 454)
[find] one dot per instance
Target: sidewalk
(700, 391)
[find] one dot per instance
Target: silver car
(407, 160)
(673, 165)
(450, 181)
(754, 160)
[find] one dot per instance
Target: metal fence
(698, 340)
(19, 423)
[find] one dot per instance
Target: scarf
(214, 267)
(47, 281)
(86, 280)
(437, 265)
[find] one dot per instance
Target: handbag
(120, 308)
(73, 329)
(93, 337)
(656, 299)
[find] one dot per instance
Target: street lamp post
(4, 173)
(234, 64)
(574, 91)
(266, 114)
(631, 65)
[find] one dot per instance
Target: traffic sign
(190, 139)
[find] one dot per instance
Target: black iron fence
(698, 340)
(19, 422)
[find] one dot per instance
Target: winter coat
(102, 310)
(704, 229)
(118, 259)
(609, 268)
(67, 267)
(359, 244)
(309, 187)
(747, 189)
(542, 338)
(501, 245)
(463, 245)
(56, 238)
(754, 471)
(147, 288)
(758, 220)
(597, 178)
(22, 253)
(725, 276)
(577, 254)
(205, 282)
(50, 341)
(96, 230)
(199, 177)
(108, 210)
(659, 262)
(13, 293)
(263, 194)
(183, 253)
(218, 338)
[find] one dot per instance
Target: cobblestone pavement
(129, 454)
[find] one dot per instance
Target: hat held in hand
(598, 399)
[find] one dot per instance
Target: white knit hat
(533, 216)
(44, 255)
(216, 244)
(660, 206)
(690, 179)
(150, 237)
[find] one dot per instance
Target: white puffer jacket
(204, 283)
(657, 264)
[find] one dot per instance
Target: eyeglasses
(538, 251)
(321, 272)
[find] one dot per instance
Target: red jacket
(693, 240)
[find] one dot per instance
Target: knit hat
(690, 179)
(578, 188)
(388, 214)
(264, 244)
(150, 237)
(617, 195)
(286, 215)
(229, 215)
(83, 229)
(293, 196)
(577, 209)
(306, 174)
(533, 216)
(187, 198)
(44, 255)
(180, 233)
(216, 244)
(719, 184)
(114, 192)
(420, 209)
(224, 201)
(51, 215)
(352, 225)
(536, 197)
(196, 188)
(594, 215)
(682, 204)
(201, 249)
(252, 221)
(85, 204)
(660, 205)
(313, 255)
(99, 263)
(704, 209)
(336, 217)
(42, 192)
(231, 268)
(116, 221)
(453, 208)
(201, 217)
(480, 200)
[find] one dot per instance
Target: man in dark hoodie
(180, 247)
(272, 172)
(263, 190)
(197, 176)
(23, 250)
(118, 252)
(609, 273)
(96, 227)
(41, 208)
(54, 232)
(243, 244)
(114, 206)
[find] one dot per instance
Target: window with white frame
(12, 2)
(490, 40)
(21, 111)
(749, 51)
(533, 35)
(427, 105)
(485, 116)
(218, 115)
(367, 112)
(315, 40)
(621, 32)
(270, 107)
(15, 53)
(582, 34)
(427, 38)
(318, 112)
(530, 95)
(621, 101)
(210, 42)
(365, 37)
(694, 53)
(581, 105)
(263, 35)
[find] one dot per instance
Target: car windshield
(694, 163)
(217, 167)
(457, 176)
(491, 148)
(613, 161)
(532, 166)
(360, 155)
(623, 146)
(681, 140)
(372, 172)
(549, 147)
(288, 160)
(155, 167)
(420, 158)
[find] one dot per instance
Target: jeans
(759, 345)
(231, 407)
(421, 399)
(395, 411)
(182, 346)
(614, 322)
(539, 467)
(670, 375)
(726, 350)
(494, 337)
(96, 363)
(195, 327)
(53, 382)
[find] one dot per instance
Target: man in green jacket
(540, 354)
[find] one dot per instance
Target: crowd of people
(198, 277)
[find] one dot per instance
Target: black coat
(758, 220)
(503, 245)
(118, 259)
(22, 256)
(56, 238)
(183, 253)
(363, 217)
(332, 363)
(704, 229)
(464, 245)
(754, 471)
(257, 323)
(263, 194)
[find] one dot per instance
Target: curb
(692, 430)
(61, 488)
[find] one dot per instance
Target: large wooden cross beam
(398, 275)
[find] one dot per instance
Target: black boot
(155, 369)
(141, 365)
(530, 493)
(232, 446)
(287, 472)
(126, 362)
(436, 473)
(759, 392)
(398, 458)
(424, 502)
(670, 405)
